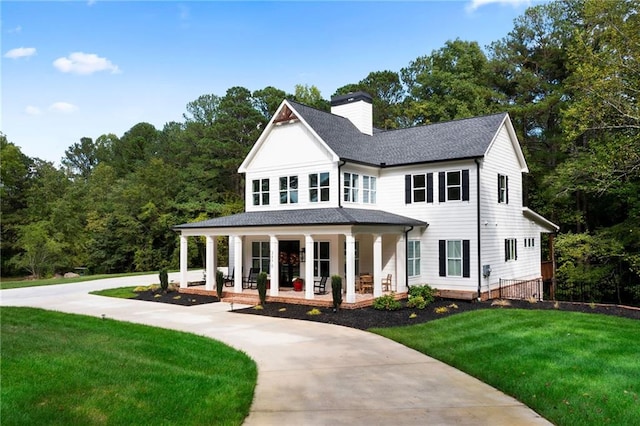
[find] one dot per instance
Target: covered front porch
(306, 244)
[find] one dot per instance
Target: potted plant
(297, 284)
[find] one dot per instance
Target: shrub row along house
(328, 194)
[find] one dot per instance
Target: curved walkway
(308, 373)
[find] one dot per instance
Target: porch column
(351, 268)
(237, 264)
(184, 251)
(274, 262)
(401, 264)
(211, 264)
(377, 265)
(308, 266)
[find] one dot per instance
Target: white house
(328, 194)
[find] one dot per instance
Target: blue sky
(76, 69)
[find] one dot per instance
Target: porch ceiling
(305, 217)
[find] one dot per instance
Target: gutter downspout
(406, 258)
(342, 163)
(478, 229)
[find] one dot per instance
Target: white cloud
(476, 4)
(85, 63)
(20, 52)
(31, 110)
(63, 107)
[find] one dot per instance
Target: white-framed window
(289, 190)
(503, 189)
(454, 258)
(351, 187)
(369, 189)
(261, 192)
(321, 259)
(413, 257)
(419, 188)
(529, 242)
(319, 187)
(454, 185)
(510, 249)
(260, 251)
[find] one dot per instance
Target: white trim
(545, 223)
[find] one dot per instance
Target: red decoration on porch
(297, 284)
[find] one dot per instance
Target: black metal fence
(521, 289)
(601, 293)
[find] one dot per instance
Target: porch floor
(286, 295)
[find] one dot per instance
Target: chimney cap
(350, 98)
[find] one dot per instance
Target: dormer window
(289, 190)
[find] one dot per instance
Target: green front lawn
(70, 369)
(4, 284)
(572, 368)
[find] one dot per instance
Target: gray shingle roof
(322, 216)
(451, 140)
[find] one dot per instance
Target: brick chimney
(357, 107)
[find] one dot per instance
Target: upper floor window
(510, 249)
(369, 189)
(351, 187)
(319, 187)
(289, 190)
(418, 188)
(413, 257)
(261, 192)
(529, 242)
(453, 185)
(503, 189)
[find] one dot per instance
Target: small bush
(387, 302)
(425, 291)
(336, 291)
(453, 306)
(261, 283)
(441, 310)
(417, 302)
(219, 283)
(413, 315)
(258, 307)
(314, 311)
(164, 279)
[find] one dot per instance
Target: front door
(288, 262)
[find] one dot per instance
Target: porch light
(302, 254)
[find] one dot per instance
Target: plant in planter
(297, 284)
(261, 283)
(219, 283)
(336, 291)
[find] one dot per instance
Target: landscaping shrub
(219, 283)
(387, 302)
(336, 291)
(164, 279)
(417, 302)
(262, 287)
(425, 291)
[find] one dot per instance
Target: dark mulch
(175, 298)
(366, 318)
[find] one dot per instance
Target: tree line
(568, 73)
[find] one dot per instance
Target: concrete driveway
(308, 373)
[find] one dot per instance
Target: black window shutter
(499, 188)
(465, 185)
(515, 248)
(407, 189)
(442, 257)
(466, 261)
(506, 250)
(506, 184)
(429, 187)
(441, 188)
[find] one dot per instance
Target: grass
(120, 292)
(53, 281)
(70, 369)
(572, 368)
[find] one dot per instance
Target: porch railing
(521, 289)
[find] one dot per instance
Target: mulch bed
(366, 318)
(175, 298)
